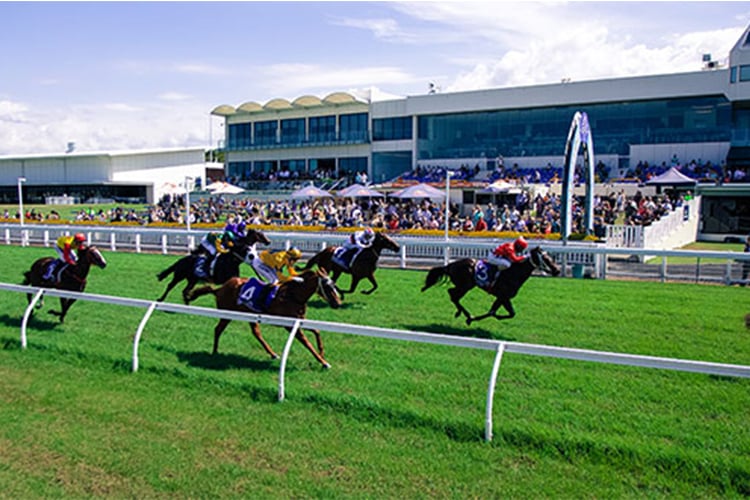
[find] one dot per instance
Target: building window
(733, 74)
(240, 136)
(392, 129)
(265, 133)
(353, 127)
(323, 129)
(293, 131)
(745, 73)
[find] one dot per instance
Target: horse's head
(541, 260)
(327, 289)
(254, 236)
(92, 255)
(383, 241)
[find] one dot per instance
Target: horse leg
(255, 327)
(371, 279)
(493, 311)
(456, 295)
(186, 291)
(301, 337)
(220, 327)
(64, 306)
(170, 286)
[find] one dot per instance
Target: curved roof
(307, 101)
(223, 110)
(250, 107)
(277, 104)
(339, 98)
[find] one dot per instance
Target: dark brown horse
(227, 265)
(290, 300)
(364, 265)
(67, 277)
(461, 274)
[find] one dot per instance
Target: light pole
(21, 180)
(448, 175)
(187, 201)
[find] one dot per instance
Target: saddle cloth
(257, 295)
(485, 274)
(344, 257)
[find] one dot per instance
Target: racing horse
(67, 277)
(364, 265)
(227, 265)
(288, 299)
(462, 274)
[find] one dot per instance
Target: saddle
(485, 274)
(257, 295)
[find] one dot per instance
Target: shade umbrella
(421, 190)
(226, 188)
(311, 192)
(171, 188)
(359, 191)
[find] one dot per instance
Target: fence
(576, 258)
(498, 347)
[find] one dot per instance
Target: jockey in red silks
(506, 254)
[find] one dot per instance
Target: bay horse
(67, 277)
(363, 267)
(227, 265)
(290, 300)
(461, 274)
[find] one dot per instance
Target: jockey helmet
(79, 238)
(294, 253)
(368, 234)
(241, 227)
(520, 244)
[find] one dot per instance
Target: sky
(144, 75)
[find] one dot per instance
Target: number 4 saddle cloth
(257, 295)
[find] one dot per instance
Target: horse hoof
(274, 356)
(468, 321)
(327, 365)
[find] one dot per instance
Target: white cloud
(174, 96)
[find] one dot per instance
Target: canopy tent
(311, 192)
(419, 191)
(215, 185)
(672, 177)
(224, 188)
(359, 191)
(500, 187)
(170, 188)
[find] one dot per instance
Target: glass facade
(392, 129)
(265, 132)
(353, 127)
(293, 131)
(388, 165)
(322, 129)
(544, 131)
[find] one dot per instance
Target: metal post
(448, 174)
(20, 197)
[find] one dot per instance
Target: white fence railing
(498, 347)
(415, 252)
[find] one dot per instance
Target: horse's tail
(167, 271)
(200, 292)
(435, 275)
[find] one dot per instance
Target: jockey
(65, 246)
(506, 254)
(269, 265)
(357, 242)
(214, 243)
(236, 228)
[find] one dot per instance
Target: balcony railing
(343, 139)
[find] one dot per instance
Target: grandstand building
(646, 122)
